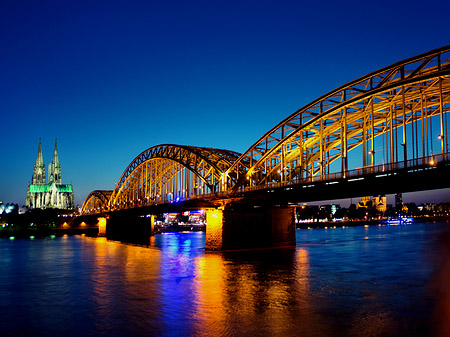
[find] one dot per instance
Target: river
(354, 281)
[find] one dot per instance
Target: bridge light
(440, 137)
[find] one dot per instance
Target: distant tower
(55, 194)
(380, 203)
(54, 169)
(39, 168)
(398, 201)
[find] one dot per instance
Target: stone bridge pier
(250, 227)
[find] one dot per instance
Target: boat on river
(401, 220)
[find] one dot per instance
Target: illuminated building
(380, 203)
(365, 202)
(53, 194)
(377, 202)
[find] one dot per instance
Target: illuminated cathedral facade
(52, 193)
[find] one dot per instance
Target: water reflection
(441, 285)
(209, 305)
(254, 290)
(126, 281)
(371, 281)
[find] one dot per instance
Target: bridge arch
(171, 172)
(396, 114)
(97, 201)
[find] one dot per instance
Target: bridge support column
(102, 226)
(214, 229)
(152, 224)
(250, 227)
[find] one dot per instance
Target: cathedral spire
(55, 160)
(54, 170)
(39, 159)
(39, 168)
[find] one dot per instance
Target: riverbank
(45, 232)
(374, 222)
(336, 224)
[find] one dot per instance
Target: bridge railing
(388, 168)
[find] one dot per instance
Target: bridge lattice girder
(394, 114)
(383, 109)
(175, 169)
(96, 200)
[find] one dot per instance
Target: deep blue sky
(110, 79)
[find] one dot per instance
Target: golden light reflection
(310, 317)
(101, 280)
(138, 268)
(279, 294)
(246, 292)
(302, 275)
(142, 264)
(209, 287)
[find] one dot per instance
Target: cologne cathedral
(53, 194)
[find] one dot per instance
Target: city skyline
(109, 81)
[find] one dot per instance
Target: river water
(354, 281)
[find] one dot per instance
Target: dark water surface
(360, 281)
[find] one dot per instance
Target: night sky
(110, 79)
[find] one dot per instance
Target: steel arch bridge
(97, 200)
(396, 114)
(393, 118)
(166, 173)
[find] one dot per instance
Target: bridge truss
(172, 173)
(97, 200)
(393, 118)
(394, 114)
